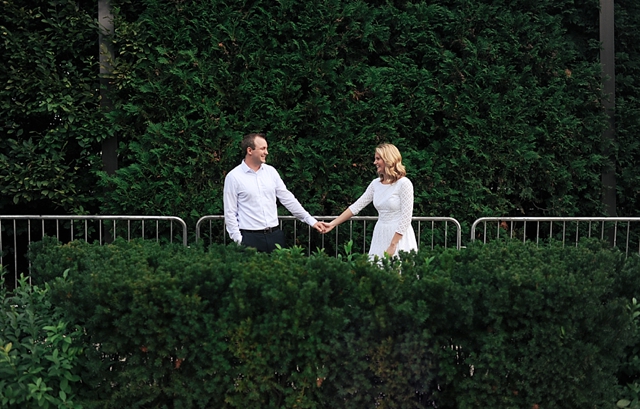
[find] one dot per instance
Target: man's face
(258, 155)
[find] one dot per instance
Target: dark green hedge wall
(495, 108)
(50, 125)
(495, 105)
(628, 104)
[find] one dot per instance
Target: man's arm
(292, 204)
(230, 199)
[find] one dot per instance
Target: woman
(392, 196)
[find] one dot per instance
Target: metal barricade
(16, 237)
(431, 231)
(614, 229)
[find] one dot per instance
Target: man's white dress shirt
(250, 200)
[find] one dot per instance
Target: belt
(264, 231)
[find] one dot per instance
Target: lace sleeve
(405, 191)
(365, 199)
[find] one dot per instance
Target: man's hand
(327, 227)
(323, 227)
(320, 227)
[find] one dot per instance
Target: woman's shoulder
(404, 181)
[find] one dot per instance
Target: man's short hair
(249, 141)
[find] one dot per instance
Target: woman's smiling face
(379, 163)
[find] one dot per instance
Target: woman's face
(379, 163)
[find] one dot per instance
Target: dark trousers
(264, 242)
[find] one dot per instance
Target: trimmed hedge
(501, 325)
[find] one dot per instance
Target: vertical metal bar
(1, 249)
(564, 232)
(58, 229)
(143, 229)
(364, 238)
(627, 245)
(538, 233)
(551, 231)
(114, 229)
(498, 230)
(71, 229)
(524, 232)
(42, 237)
(310, 231)
(29, 245)
(418, 234)
(615, 234)
(577, 225)
(128, 230)
(511, 232)
(86, 231)
(433, 229)
(446, 233)
(100, 230)
(157, 228)
(485, 231)
(602, 231)
(589, 236)
(15, 252)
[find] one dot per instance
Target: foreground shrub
(500, 325)
(38, 351)
(529, 327)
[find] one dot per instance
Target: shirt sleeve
(406, 205)
(364, 200)
(290, 202)
(230, 199)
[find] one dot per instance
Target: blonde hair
(393, 168)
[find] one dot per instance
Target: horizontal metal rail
(321, 240)
(433, 231)
(609, 228)
(36, 225)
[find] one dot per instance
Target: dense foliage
(496, 109)
(39, 351)
(49, 118)
(495, 105)
(501, 325)
(628, 104)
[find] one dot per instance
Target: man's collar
(246, 168)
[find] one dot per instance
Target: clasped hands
(323, 227)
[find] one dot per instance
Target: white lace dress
(394, 203)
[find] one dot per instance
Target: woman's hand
(327, 227)
(391, 251)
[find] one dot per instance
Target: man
(250, 193)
